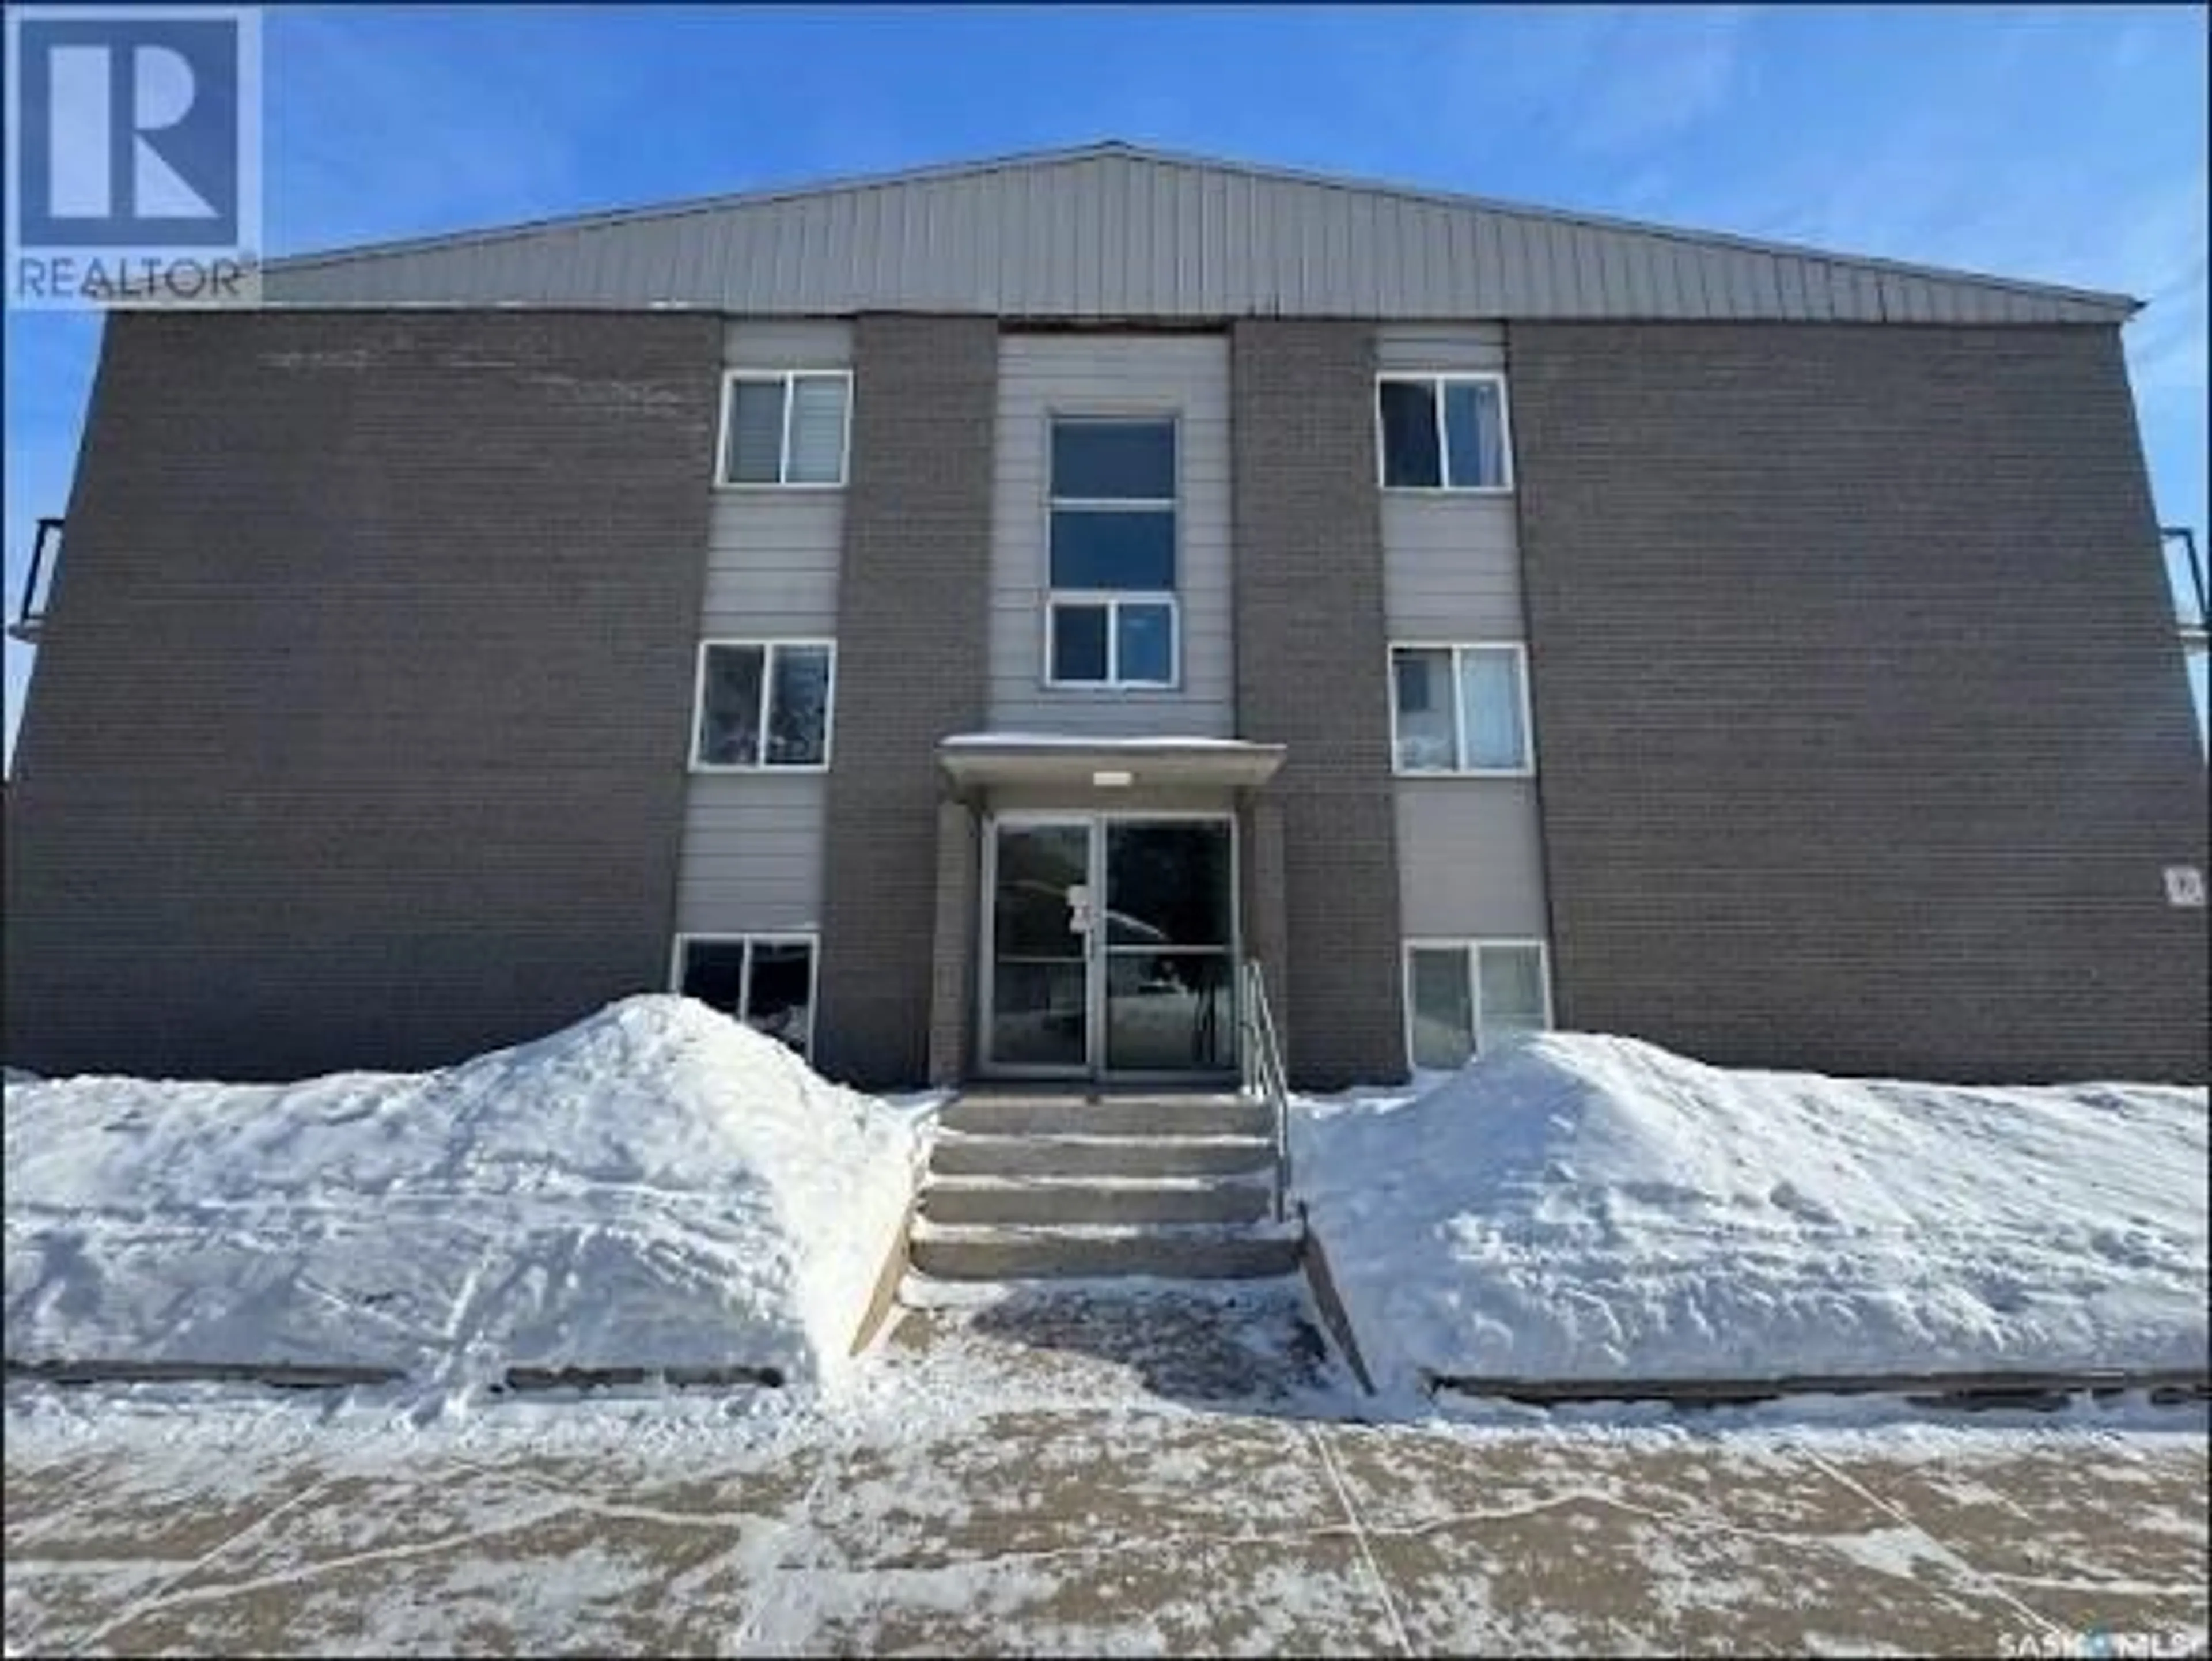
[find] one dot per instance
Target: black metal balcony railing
(38, 583)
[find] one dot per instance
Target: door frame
(1096, 821)
(987, 948)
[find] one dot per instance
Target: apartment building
(954, 620)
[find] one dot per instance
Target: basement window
(1460, 709)
(763, 704)
(1443, 432)
(784, 428)
(766, 980)
(1464, 997)
(1112, 619)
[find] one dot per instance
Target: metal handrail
(1261, 1059)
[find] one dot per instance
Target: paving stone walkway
(1101, 1475)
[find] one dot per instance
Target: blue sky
(2066, 144)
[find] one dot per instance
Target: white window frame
(1436, 381)
(783, 480)
(1114, 599)
(1459, 649)
(749, 939)
(1469, 947)
(767, 647)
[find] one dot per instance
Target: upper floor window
(1443, 432)
(764, 703)
(785, 426)
(1111, 620)
(1460, 709)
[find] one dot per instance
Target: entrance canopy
(1095, 895)
(987, 760)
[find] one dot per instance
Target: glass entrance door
(1039, 1016)
(1113, 946)
(1171, 983)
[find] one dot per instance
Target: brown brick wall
(1310, 674)
(953, 974)
(357, 734)
(1862, 728)
(912, 603)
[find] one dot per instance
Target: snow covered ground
(1577, 1206)
(1147, 1470)
(658, 1185)
(1040, 1481)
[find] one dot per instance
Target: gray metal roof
(1113, 232)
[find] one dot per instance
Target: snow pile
(658, 1185)
(1576, 1206)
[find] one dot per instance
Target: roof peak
(1129, 151)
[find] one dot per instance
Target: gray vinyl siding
(752, 842)
(1470, 851)
(1452, 570)
(752, 853)
(1451, 563)
(772, 555)
(1471, 858)
(1040, 375)
(1112, 233)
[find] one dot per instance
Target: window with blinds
(786, 428)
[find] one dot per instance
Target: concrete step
(1044, 1201)
(1164, 1251)
(957, 1155)
(1109, 1116)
